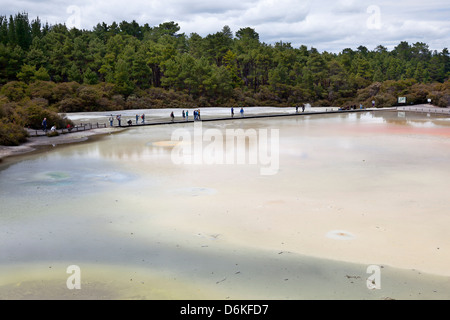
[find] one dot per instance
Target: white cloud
(286, 11)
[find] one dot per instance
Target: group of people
(129, 122)
(44, 126)
(352, 107)
(142, 118)
(53, 128)
(241, 111)
(185, 115)
(118, 118)
(303, 108)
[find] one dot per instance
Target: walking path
(81, 131)
(77, 128)
(424, 108)
(158, 120)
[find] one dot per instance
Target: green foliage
(47, 69)
(29, 74)
(14, 90)
(26, 73)
(122, 80)
(41, 74)
(90, 77)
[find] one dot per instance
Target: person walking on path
(118, 119)
(242, 112)
(303, 108)
(137, 118)
(111, 121)
(232, 112)
(187, 115)
(198, 114)
(172, 116)
(44, 125)
(183, 114)
(143, 118)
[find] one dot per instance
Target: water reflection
(414, 119)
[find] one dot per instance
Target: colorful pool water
(141, 226)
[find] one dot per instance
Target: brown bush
(33, 113)
(444, 101)
(11, 134)
(384, 100)
(42, 89)
(70, 105)
(65, 90)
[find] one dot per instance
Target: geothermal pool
(348, 193)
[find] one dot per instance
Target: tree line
(128, 65)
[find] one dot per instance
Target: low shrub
(11, 134)
(52, 134)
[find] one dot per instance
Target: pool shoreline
(36, 142)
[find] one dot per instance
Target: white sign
(401, 99)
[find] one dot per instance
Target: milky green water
(140, 226)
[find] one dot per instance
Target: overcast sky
(327, 25)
